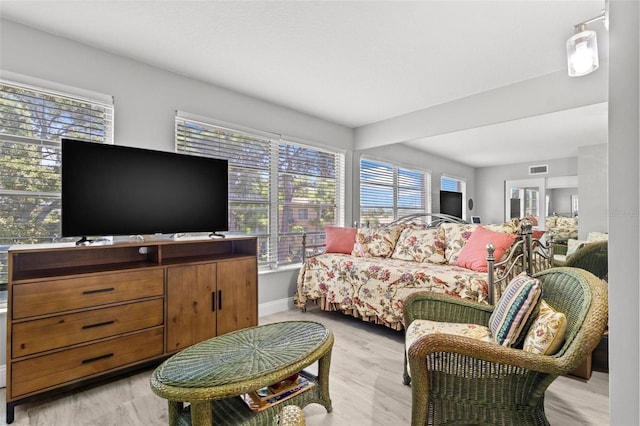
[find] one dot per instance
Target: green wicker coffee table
(211, 375)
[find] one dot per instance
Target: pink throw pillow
(537, 234)
(339, 239)
(474, 253)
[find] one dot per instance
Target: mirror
(524, 197)
(541, 197)
(562, 196)
(562, 202)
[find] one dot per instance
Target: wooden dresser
(79, 314)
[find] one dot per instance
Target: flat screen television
(117, 190)
(451, 203)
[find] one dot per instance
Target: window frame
(396, 187)
(274, 239)
(67, 112)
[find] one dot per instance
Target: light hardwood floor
(366, 388)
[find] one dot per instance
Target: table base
(234, 412)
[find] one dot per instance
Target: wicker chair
(593, 257)
(460, 380)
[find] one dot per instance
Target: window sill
(286, 268)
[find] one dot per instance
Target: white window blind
(277, 189)
(452, 184)
(32, 122)
(389, 191)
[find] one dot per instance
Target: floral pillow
(566, 222)
(456, 236)
(547, 332)
(419, 328)
(376, 242)
(512, 227)
(420, 245)
(551, 221)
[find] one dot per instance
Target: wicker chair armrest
(485, 351)
(445, 308)
(592, 257)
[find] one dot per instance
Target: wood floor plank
(365, 383)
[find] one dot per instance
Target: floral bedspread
(375, 287)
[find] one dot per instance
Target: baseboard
(3, 376)
(275, 306)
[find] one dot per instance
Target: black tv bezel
(96, 231)
(445, 194)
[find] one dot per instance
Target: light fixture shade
(582, 53)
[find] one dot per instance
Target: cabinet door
(191, 305)
(238, 289)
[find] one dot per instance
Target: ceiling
(353, 62)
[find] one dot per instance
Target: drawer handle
(98, 358)
(98, 324)
(100, 290)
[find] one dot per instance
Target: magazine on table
(268, 396)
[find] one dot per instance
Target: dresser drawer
(64, 367)
(53, 296)
(65, 330)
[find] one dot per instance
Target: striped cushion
(514, 308)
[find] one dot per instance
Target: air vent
(539, 170)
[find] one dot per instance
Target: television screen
(117, 190)
(451, 203)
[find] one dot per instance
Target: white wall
(146, 98)
(593, 168)
(624, 213)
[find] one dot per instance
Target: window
(531, 202)
(388, 192)
(452, 184)
(32, 123)
(277, 189)
(524, 202)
